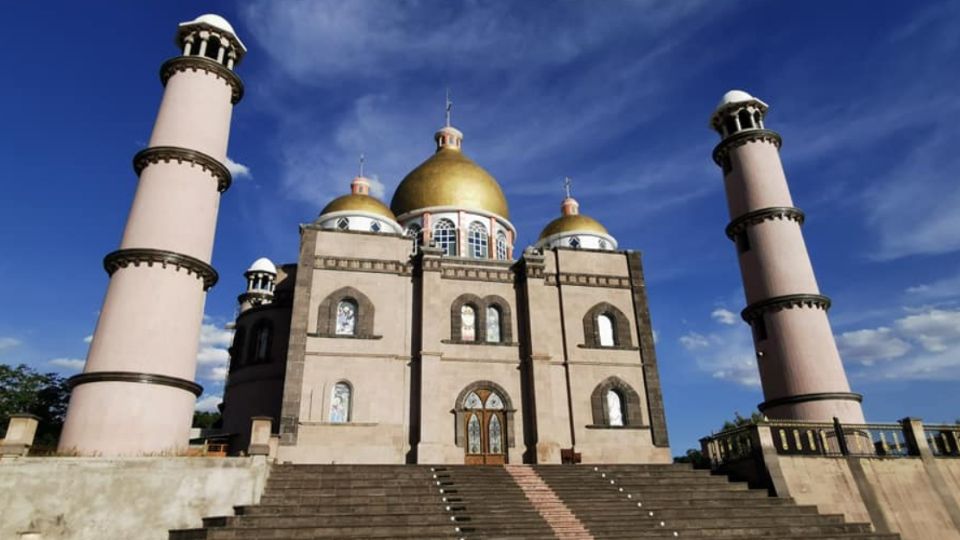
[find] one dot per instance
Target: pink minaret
(136, 394)
(800, 368)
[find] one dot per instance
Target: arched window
(477, 240)
(493, 324)
(746, 121)
(614, 403)
(340, 403)
(502, 249)
(731, 124)
(346, 318)
(757, 121)
(468, 323)
(605, 330)
(343, 224)
(445, 236)
(484, 420)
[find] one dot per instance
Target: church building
(420, 332)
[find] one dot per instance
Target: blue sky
(614, 94)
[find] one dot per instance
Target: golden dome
(573, 223)
(356, 202)
(449, 178)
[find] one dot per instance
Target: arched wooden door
(484, 423)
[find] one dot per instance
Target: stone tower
(800, 367)
(136, 394)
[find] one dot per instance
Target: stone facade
(409, 367)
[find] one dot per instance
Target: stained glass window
(614, 408)
(493, 324)
(340, 403)
(501, 246)
(605, 330)
(472, 401)
(473, 435)
(495, 442)
(477, 240)
(494, 401)
(445, 236)
(414, 231)
(468, 323)
(346, 318)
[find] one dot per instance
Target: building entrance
(485, 428)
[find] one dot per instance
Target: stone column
(800, 368)
(136, 393)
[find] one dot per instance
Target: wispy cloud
(208, 403)
(7, 343)
(920, 346)
(724, 316)
(69, 364)
(726, 354)
(213, 357)
(237, 170)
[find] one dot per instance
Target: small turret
(261, 281)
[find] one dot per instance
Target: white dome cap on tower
(263, 264)
(735, 99)
(215, 22)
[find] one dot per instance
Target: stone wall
(96, 498)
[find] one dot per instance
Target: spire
(448, 136)
(569, 206)
(360, 184)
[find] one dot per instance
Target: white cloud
(869, 345)
(724, 316)
(377, 189)
(208, 403)
(237, 170)
(69, 364)
(213, 358)
(919, 346)
(7, 343)
(88, 339)
(727, 355)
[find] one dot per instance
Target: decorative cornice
(789, 301)
(590, 280)
(757, 216)
(135, 377)
(467, 273)
(379, 266)
(743, 137)
(156, 154)
(803, 398)
(122, 258)
(183, 63)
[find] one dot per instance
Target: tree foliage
(45, 395)
(206, 420)
(697, 458)
(738, 420)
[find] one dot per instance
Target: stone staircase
(677, 501)
(517, 502)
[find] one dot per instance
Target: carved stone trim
(480, 306)
(476, 274)
(135, 377)
(378, 266)
(741, 138)
(123, 258)
(202, 63)
(590, 280)
(803, 398)
(327, 314)
(156, 154)
(758, 216)
(778, 303)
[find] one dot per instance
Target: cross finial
(361, 163)
(449, 106)
(566, 185)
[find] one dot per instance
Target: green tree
(738, 420)
(206, 420)
(697, 458)
(45, 395)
